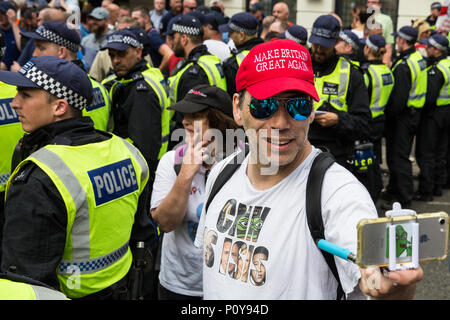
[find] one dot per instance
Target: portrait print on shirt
(240, 256)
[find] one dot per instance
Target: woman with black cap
(179, 188)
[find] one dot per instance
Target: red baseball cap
(274, 67)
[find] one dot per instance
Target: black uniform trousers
(432, 141)
(400, 132)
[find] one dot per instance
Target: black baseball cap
(202, 97)
(57, 32)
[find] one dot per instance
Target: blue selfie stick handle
(336, 250)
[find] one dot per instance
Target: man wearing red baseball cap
(259, 204)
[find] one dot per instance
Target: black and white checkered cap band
(349, 40)
(291, 37)
(49, 84)
(236, 28)
(324, 33)
(124, 39)
(371, 45)
(435, 44)
(405, 36)
(56, 38)
(185, 29)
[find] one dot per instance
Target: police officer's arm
(435, 83)
(144, 125)
(400, 92)
(35, 227)
(352, 124)
(143, 228)
(230, 68)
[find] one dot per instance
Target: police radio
(363, 156)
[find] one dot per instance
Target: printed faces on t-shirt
(241, 258)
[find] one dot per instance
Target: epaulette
(24, 173)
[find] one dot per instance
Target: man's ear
(237, 112)
(60, 108)
(62, 52)
(139, 52)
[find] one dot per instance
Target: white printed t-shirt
(272, 254)
(181, 261)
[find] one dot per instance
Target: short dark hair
(143, 10)
(220, 121)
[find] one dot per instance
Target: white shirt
(218, 48)
(181, 261)
(274, 221)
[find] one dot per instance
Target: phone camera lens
(442, 221)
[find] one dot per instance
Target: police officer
(379, 81)
(139, 98)
(342, 114)
(55, 38)
(243, 30)
(348, 46)
(432, 138)
(403, 116)
(77, 202)
(199, 67)
(296, 33)
(17, 287)
(10, 131)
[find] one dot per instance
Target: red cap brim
(271, 87)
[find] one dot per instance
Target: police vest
(100, 109)
(12, 290)
(10, 131)
(444, 94)
(240, 56)
(212, 66)
(333, 88)
(156, 81)
(382, 81)
(419, 75)
(100, 184)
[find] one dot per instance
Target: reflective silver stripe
(43, 293)
(208, 70)
(86, 266)
(80, 229)
(140, 159)
(239, 57)
(158, 89)
(343, 80)
(412, 95)
(445, 94)
(376, 104)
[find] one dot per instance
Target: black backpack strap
(226, 173)
(314, 209)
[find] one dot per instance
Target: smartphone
(373, 239)
(319, 112)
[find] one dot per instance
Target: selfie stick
(397, 211)
(336, 250)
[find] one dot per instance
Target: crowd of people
(93, 110)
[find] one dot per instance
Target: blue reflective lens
(298, 108)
